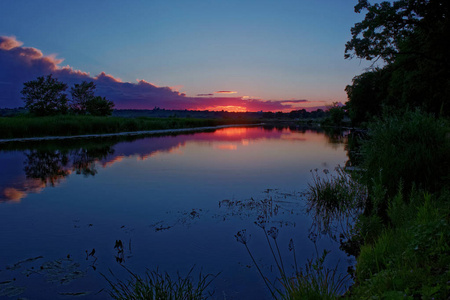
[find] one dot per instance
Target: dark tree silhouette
(82, 94)
(99, 106)
(44, 96)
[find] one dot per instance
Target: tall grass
(155, 285)
(315, 281)
(412, 147)
(335, 200)
(27, 126)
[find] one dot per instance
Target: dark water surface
(173, 202)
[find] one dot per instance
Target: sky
(245, 55)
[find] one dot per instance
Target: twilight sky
(175, 54)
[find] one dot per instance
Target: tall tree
(81, 95)
(45, 96)
(388, 29)
(411, 37)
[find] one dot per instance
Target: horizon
(203, 55)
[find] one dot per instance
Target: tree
(99, 106)
(367, 94)
(44, 96)
(81, 95)
(387, 28)
(337, 113)
(410, 36)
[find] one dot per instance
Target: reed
(157, 285)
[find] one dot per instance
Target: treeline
(45, 97)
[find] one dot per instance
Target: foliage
(411, 259)
(84, 101)
(99, 106)
(367, 94)
(388, 25)
(412, 147)
(407, 35)
(336, 114)
(44, 96)
(81, 95)
(156, 285)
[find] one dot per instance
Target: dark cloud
(293, 101)
(20, 64)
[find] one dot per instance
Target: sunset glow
(260, 63)
(229, 108)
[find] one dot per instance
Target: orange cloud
(225, 92)
(9, 42)
(12, 194)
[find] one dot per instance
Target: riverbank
(51, 127)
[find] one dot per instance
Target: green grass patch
(410, 259)
(67, 125)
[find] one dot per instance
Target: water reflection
(178, 199)
(48, 163)
(48, 166)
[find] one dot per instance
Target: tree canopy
(44, 96)
(81, 95)
(411, 37)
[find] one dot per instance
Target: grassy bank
(401, 233)
(27, 126)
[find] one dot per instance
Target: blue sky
(269, 50)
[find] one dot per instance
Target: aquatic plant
(335, 200)
(157, 285)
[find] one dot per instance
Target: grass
(402, 230)
(412, 147)
(155, 285)
(66, 125)
(408, 260)
(334, 200)
(315, 281)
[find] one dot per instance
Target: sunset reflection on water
(46, 171)
(175, 201)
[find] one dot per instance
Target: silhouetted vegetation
(45, 97)
(400, 231)
(408, 36)
(27, 126)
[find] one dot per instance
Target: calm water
(173, 202)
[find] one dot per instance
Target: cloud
(293, 101)
(21, 64)
(9, 42)
(225, 92)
